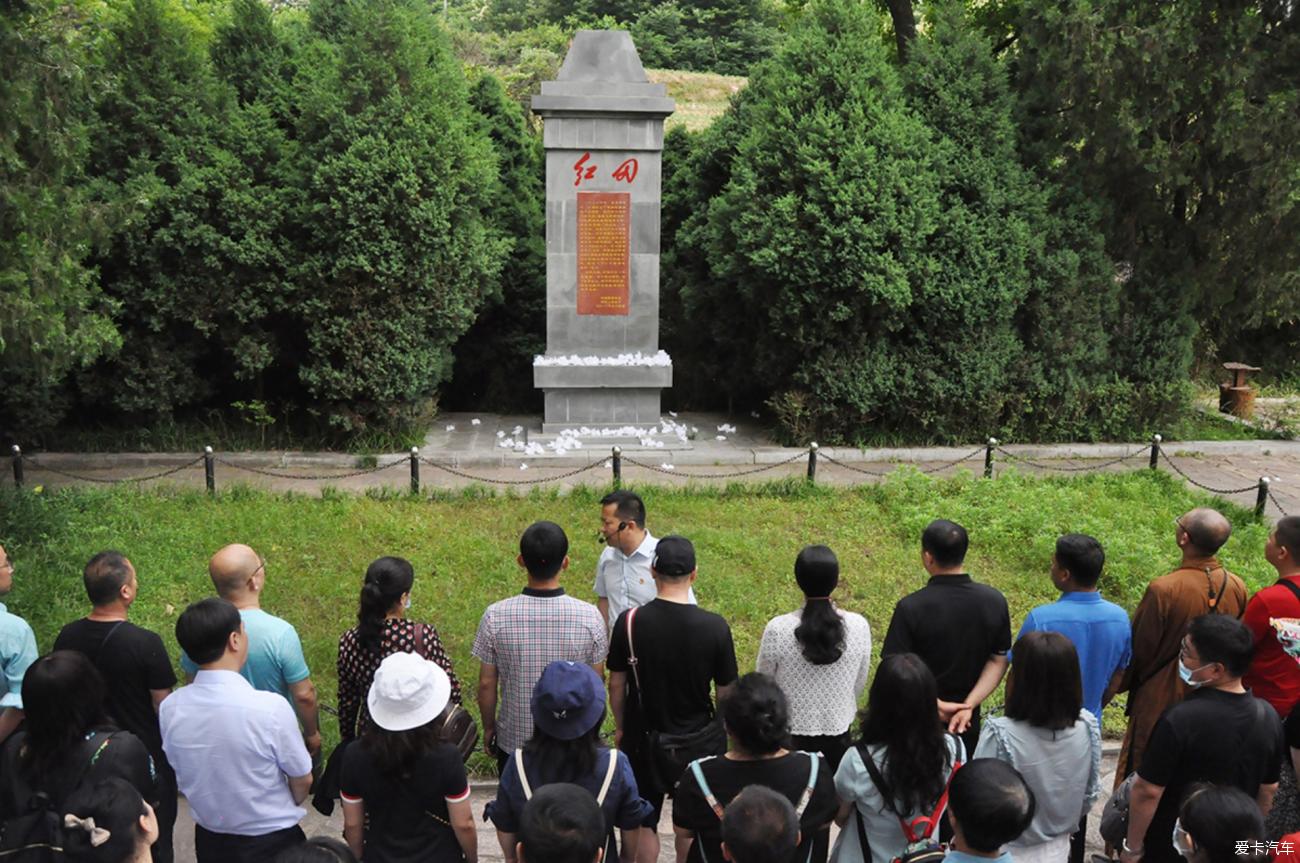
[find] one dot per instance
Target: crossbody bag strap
(631, 653)
(864, 844)
(813, 760)
(705, 789)
(609, 777)
(523, 780)
(885, 794)
(419, 640)
(1289, 585)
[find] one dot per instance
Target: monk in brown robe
(1200, 585)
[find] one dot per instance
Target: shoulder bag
(458, 727)
(925, 848)
(671, 754)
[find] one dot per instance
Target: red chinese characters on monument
(604, 223)
(585, 169)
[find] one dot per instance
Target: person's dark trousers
(1078, 841)
(165, 811)
(212, 847)
(832, 747)
(502, 758)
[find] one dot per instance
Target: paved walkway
(510, 452)
(489, 850)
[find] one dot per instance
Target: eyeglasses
(261, 567)
(1178, 523)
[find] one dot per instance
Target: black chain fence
(616, 460)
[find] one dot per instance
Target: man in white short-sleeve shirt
(623, 577)
(239, 757)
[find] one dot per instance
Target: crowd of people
(98, 741)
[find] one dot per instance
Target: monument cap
(674, 555)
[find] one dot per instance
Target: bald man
(1200, 585)
(275, 659)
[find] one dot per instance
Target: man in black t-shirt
(1220, 734)
(681, 652)
(960, 628)
(137, 672)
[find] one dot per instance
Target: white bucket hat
(408, 691)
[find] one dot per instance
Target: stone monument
(603, 130)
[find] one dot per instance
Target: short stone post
(988, 457)
(1261, 497)
(209, 470)
(617, 463)
(812, 461)
(1155, 451)
(415, 470)
(18, 466)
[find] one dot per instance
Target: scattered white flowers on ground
(517, 430)
(500, 434)
(727, 428)
(523, 466)
(636, 359)
(754, 414)
(609, 463)
(721, 437)
(666, 466)
(476, 422)
(672, 413)
(450, 427)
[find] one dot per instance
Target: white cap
(408, 691)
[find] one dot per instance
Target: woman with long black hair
(911, 759)
(382, 629)
(819, 656)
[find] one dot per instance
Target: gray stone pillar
(603, 133)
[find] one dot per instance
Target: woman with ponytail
(757, 719)
(382, 629)
(819, 656)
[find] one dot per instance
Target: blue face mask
(408, 602)
(1182, 841)
(1186, 674)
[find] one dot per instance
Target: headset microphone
(622, 526)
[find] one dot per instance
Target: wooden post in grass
(415, 470)
(1261, 497)
(18, 466)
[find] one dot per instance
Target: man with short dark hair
(759, 826)
(136, 669)
(1219, 734)
(561, 823)
(17, 652)
(664, 658)
(989, 805)
(961, 629)
(519, 636)
(623, 578)
(1273, 617)
(275, 658)
(1200, 585)
(239, 757)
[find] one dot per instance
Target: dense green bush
(871, 257)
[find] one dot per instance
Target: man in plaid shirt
(518, 637)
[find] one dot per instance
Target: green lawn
(464, 547)
(701, 97)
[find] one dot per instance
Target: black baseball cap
(674, 555)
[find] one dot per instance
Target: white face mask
(408, 602)
(1182, 841)
(1186, 674)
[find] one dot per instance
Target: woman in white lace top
(819, 657)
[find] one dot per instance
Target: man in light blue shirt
(239, 758)
(17, 651)
(1099, 629)
(989, 805)
(275, 658)
(623, 578)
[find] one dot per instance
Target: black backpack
(34, 834)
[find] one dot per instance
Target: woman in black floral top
(382, 629)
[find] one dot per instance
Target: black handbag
(458, 727)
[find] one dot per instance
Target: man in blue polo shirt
(1099, 629)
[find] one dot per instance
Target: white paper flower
(451, 427)
(666, 466)
(523, 466)
(476, 422)
(721, 437)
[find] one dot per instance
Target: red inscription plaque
(604, 223)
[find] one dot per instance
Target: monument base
(603, 407)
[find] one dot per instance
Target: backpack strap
(631, 653)
(933, 820)
(1289, 585)
(813, 761)
(419, 640)
(609, 777)
(704, 786)
(523, 779)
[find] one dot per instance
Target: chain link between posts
(1073, 468)
(1276, 503)
(536, 481)
(103, 481)
(310, 476)
(746, 472)
(1211, 489)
